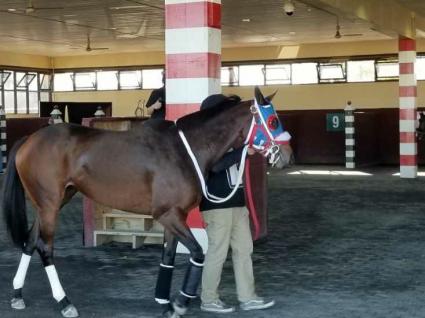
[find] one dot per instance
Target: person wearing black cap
(227, 225)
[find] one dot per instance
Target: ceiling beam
(387, 15)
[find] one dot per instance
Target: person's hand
(251, 151)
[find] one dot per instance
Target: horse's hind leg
(175, 221)
(48, 220)
(19, 279)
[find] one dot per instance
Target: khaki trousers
(228, 228)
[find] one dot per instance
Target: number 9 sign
(335, 122)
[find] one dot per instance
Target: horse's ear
(270, 97)
(259, 97)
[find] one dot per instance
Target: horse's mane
(210, 108)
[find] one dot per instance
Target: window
(32, 84)
(33, 102)
(331, 72)
(250, 75)
(26, 92)
(63, 82)
(25, 80)
(4, 76)
(130, 79)
(107, 80)
(9, 83)
(44, 97)
(21, 102)
(361, 71)
(22, 91)
(420, 68)
(230, 76)
(304, 73)
(85, 81)
(152, 78)
(45, 81)
(387, 70)
(278, 74)
(9, 101)
(9, 93)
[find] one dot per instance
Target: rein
(269, 148)
(209, 196)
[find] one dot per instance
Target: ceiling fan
(30, 8)
(89, 48)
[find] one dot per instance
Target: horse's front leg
(174, 220)
(165, 275)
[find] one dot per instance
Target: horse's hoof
(170, 314)
(70, 311)
(17, 303)
(179, 309)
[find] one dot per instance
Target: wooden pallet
(128, 227)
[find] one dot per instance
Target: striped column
(193, 65)
(3, 137)
(407, 100)
(350, 152)
(193, 54)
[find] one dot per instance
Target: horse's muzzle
(286, 157)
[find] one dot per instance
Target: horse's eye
(272, 122)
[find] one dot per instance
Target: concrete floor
(339, 246)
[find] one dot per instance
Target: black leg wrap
(192, 279)
(17, 293)
(64, 302)
(189, 288)
(163, 284)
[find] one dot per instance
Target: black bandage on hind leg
(191, 280)
(163, 284)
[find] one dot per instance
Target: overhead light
(288, 7)
(246, 20)
(11, 10)
(126, 7)
(292, 33)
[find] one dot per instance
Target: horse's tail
(14, 205)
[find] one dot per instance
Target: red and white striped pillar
(407, 100)
(193, 64)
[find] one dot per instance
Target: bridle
(268, 146)
(266, 133)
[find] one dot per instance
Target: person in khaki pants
(227, 225)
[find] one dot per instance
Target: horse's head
(421, 129)
(267, 134)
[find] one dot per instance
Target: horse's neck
(211, 140)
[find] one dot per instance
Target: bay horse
(146, 170)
